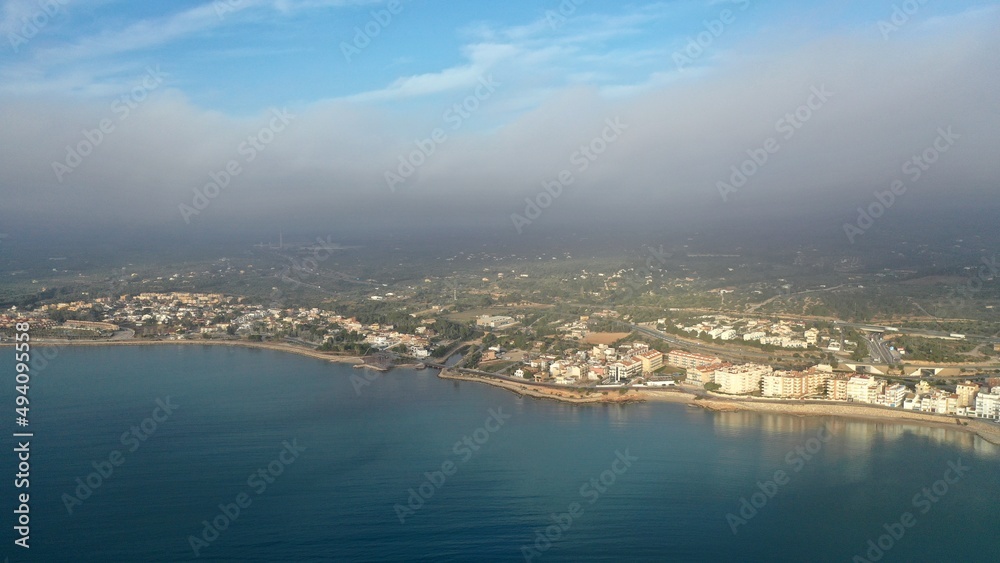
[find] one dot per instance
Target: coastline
(539, 392)
(277, 346)
(985, 430)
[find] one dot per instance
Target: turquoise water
(358, 448)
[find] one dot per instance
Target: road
(915, 331)
(879, 350)
(753, 308)
(720, 351)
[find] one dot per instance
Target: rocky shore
(540, 392)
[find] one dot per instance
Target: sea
(212, 453)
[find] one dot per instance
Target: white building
(940, 403)
(728, 334)
(704, 374)
(624, 369)
(811, 336)
(741, 379)
(495, 321)
(988, 405)
(864, 389)
(794, 384)
(683, 359)
(895, 396)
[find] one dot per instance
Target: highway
(914, 331)
(879, 350)
(720, 351)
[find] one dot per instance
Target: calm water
(367, 446)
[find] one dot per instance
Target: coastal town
(580, 363)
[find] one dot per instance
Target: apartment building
(652, 360)
(988, 405)
(686, 360)
(940, 403)
(894, 396)
(967, 394)
(836, 388)
(864, 389)
(741, 379)
(624, 369)
(705, 374)
(794, 384)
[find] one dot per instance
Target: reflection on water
(751, 445)
(853, 434)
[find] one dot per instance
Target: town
(572, 355)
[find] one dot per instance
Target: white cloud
(482, 58)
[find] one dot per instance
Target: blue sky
(240, 56)
(558, 80)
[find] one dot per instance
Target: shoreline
(539, 392)
(276, 346)
(987, 431)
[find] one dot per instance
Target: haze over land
(686, 117)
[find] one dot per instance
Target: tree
(712, 386)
